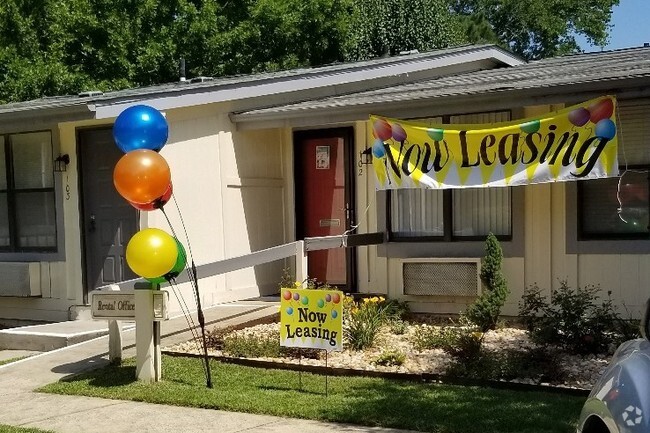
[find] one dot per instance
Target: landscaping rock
(581, 372)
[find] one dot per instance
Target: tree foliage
(536, 29)
(55, 47)
(388, 27)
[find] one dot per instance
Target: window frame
(582, 236)
(447, 222)
(13, 248)
(447, 203)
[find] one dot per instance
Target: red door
(323, 200)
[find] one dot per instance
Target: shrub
(363, 319)
(573, 319)
(286, 280)
(257, 344)
(538, 364)
(462, 341)
(249, 346)
(484, 312)
(390, 357)
(398, 327)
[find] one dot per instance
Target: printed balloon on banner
(152, 253)
(579, 116)
(530, 127)
(378, 149)
(141, 176)
(399, 134)
(140, 127)
(601, 110)
(382, 129)
(605, 129)
(157, 203)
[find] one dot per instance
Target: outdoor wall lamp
(365, 157)
(61, 163)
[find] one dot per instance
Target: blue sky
(631, 29)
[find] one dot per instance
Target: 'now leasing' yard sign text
(311, 319)
(579, 142)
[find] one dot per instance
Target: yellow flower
(477, 335)
(382, 299)
(297, 284)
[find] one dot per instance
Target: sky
(631, 29)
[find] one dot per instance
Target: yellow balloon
(151, 253)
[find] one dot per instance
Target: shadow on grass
(108, 377)
(457, 409)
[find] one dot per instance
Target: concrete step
(51, 336)
(43, 338)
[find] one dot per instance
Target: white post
(114, 342)
(301, 262)
(114, 336)
(147, 354)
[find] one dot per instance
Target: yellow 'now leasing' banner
(579, 142)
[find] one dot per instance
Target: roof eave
(629, 87)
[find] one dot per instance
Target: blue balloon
(140, 127)
(334, 314)
(606, 129)
(378, 149)
(289, 311)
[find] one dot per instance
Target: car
(620, 400)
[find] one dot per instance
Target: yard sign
(579, 142)
(311, 319)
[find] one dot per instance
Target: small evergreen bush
(484, 312)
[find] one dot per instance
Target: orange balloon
(141, 176)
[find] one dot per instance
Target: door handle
(93, 225)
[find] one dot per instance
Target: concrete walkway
(70, 414)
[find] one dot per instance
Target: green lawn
(357, 400)
(7, 361)
(10, 429)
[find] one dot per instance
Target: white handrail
(261, 257)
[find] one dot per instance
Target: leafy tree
(387, 27)
(536, 28)
(53, 47)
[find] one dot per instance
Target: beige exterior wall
(235, 190)
(233, 200)
(545, 262)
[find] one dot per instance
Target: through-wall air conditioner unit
(441, 277)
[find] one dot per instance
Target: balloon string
(191, 275)
(187, 238)
(197, 299)
(187, 268)
(188, 319)
(184, 308)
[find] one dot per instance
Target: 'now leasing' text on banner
(579, 142)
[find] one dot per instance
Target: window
(27, 209)
(610, 212)
(462, 214)
(619, 209)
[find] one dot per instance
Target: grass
(8, 361)
(356, 400)
(11, 429)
